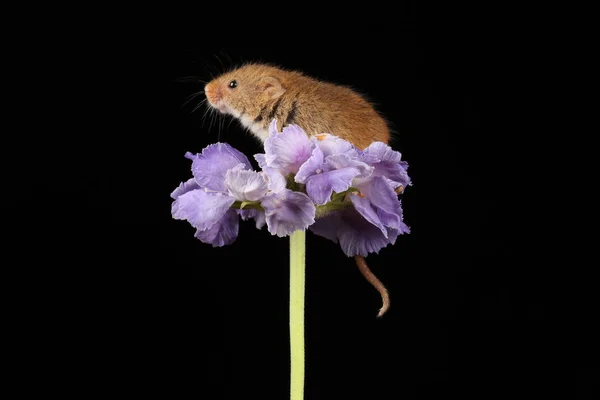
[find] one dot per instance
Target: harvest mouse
(255, 94)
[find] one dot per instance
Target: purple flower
(374, 218)
(245, 185)
(285, 210)
(223, 232)
(378, 203)
(355, 234)
(332, 167)
(288, 211)
(209, 167)
(201, 209)
(221, 177)
(288, 150)
(355, 190)
(387, 162)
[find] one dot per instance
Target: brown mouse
(255, 94)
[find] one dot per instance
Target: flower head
(221, 177)
(353, 191)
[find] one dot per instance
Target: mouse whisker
(192, 97)
(199, 105)
(229, 60)
(205, 114)
(220, 125)
(221, 62)
(212, 119)
(209, 67)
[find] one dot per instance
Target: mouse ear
(272, 87)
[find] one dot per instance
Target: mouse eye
(233, 84)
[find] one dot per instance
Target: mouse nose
(212, 92)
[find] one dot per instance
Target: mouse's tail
(361, 263)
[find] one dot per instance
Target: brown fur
(265, 93)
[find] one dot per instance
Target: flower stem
(297, 276)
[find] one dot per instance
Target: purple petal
(404, 228)
(184, 187)
(382, 153)
(387, 162)
(330, 144)
(245, 185)
(260, 158)
(288, 150)
(320, 187)
(328, 226)
(385, 201)
(260, 219)
(312, 166)
(394, 172)
(362, 238)
(275, 181)
(393, 184)
(287, 212)
(258, 215)
(339, 161)
(363, 206)
(223, 233)
(202, 210)
(355, 235)
(273, 128)
(209, 168)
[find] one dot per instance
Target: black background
(472, 311)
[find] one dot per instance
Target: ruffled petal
(382, 153)
(385, 201)
(202, 210)
(387, 162)
(184, 187)
(320, 187)
(258, 215)
(288, 150)
(245, 185)
(355, 235)
(260, 159)
(362, 238)
(288, 211)
(330, 144)
(364, 208)
(312, 166)
(339, 161)
(328, 226)
(222, 233)
(275, 181)
(210, 166)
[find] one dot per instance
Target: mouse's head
(246, 90)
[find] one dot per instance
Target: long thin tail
(361, 263)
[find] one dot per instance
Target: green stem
(297, 276)
(246, 205)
